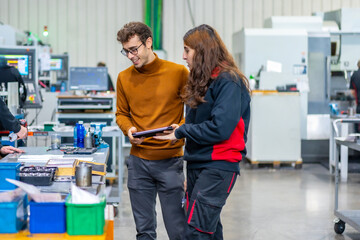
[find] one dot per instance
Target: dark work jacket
(216, 131)
(355, 85)
(7, 120)
(11, 74)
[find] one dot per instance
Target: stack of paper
(66, 166)
(34, 159)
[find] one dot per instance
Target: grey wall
(86, 29)
(229, 16)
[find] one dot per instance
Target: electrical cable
(37, 114)
(43, 84)
(53, 115)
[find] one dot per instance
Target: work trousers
(146, 179)
(207, 191)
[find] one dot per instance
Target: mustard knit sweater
(149, 98)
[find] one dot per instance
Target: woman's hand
(168, 135)
(9, 149)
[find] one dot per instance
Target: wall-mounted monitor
(25, 60)
(88, 78)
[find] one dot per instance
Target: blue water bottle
(80, 134)
(63, 87)
(75, 135)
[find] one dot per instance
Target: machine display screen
(56, 64)
(60, 64)
(21, 62)
(88, 78)
(24, 59)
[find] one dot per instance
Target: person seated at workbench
(10, 123)
(4, 150)
(12, 74)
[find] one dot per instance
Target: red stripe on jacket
(229, 150)
(191, 212)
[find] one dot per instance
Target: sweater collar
(151, 67)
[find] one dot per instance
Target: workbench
(344, 122)
(63, 187)
(116, 164)
(100, 156)
(351, 217)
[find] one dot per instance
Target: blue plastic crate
(13, 215)
(8, 170)
(47, 217)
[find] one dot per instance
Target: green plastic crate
(48, 127)
(85, 219)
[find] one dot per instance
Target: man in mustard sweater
(148, 97)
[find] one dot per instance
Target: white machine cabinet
(253, 48)
(274, 131)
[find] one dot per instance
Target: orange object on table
(26, 235)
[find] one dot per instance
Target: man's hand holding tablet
(152, 132)
(133, 140)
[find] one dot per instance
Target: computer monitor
(60, 64)
(25, 60)
(55, 64)
(88, 78)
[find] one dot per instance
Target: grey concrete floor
(273, 204)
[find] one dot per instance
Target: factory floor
(269, 203)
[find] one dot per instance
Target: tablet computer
(152, 132)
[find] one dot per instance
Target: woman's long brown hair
(210, 53)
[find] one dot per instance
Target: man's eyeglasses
(132, 51)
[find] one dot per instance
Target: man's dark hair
(134, 28)
(101, 64)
